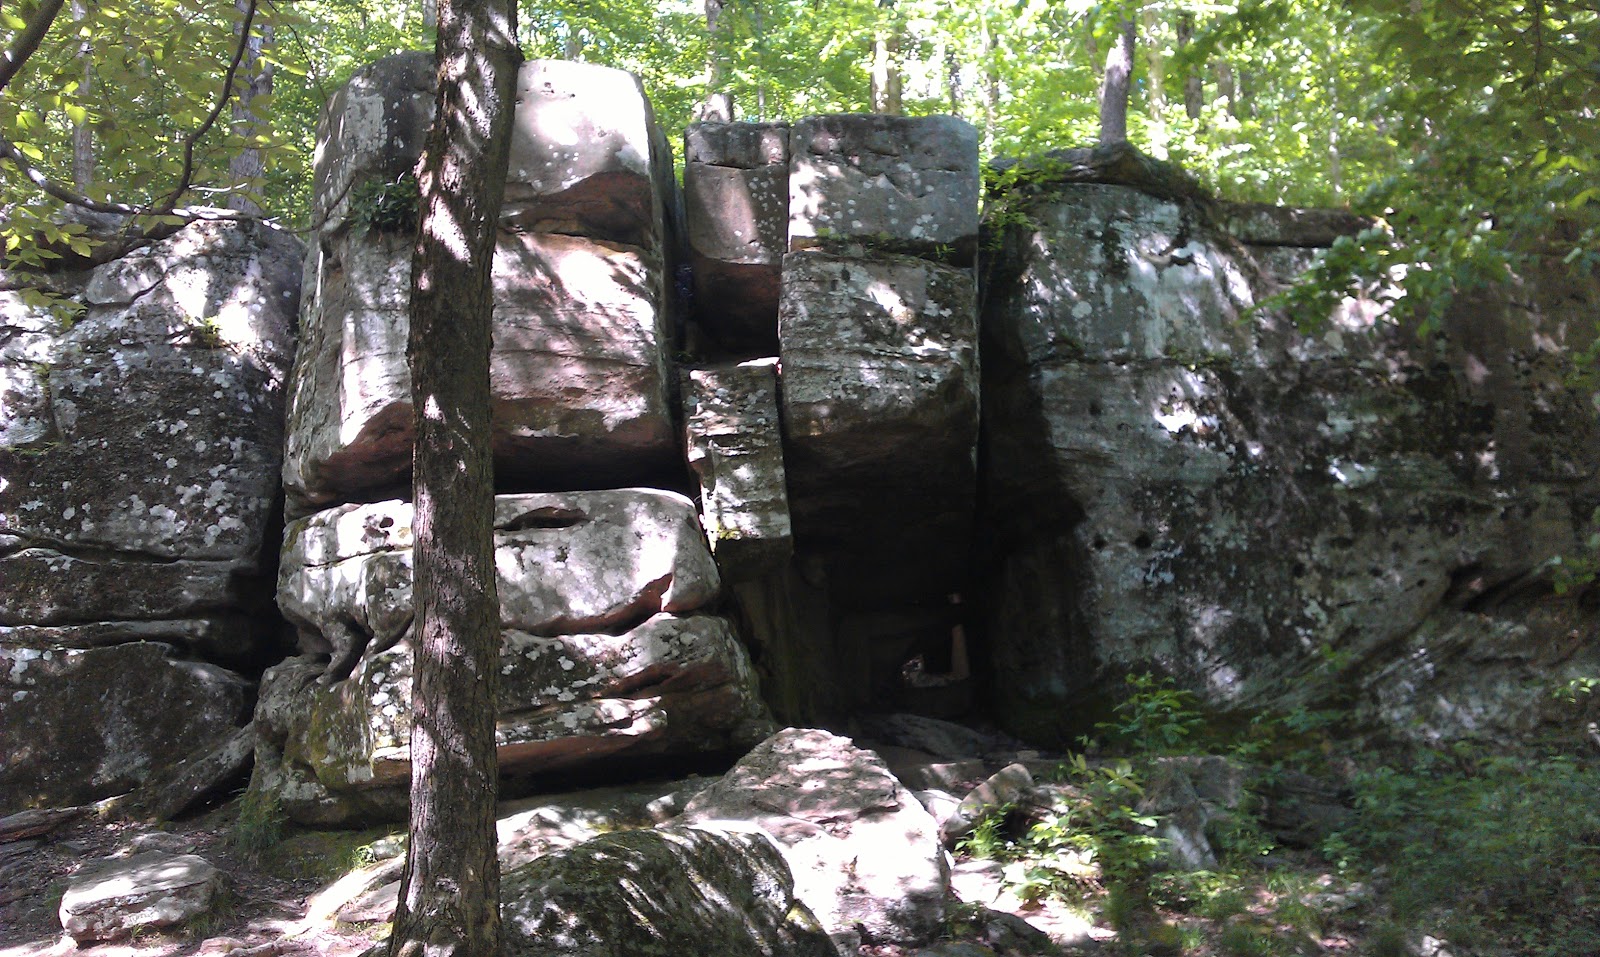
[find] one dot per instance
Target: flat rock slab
(668, 891)
(568, 562)
(152, 889)
(888, 182)
(865, 854)
(736, 450)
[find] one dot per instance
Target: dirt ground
(257, 914)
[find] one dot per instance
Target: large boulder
(141, 428)
(1182, 483)
(580, 385)
(668, 891)
(77, 725)
(906, 184)
(865, 854)
(736, 202)
(606, 653)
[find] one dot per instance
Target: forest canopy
(1468, 126)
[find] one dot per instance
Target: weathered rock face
(1177, 484)
(605, 653)
(908, 184)
(880, 410)
(139, 445)
(670, 891)
(736, 200)
(865, 854)
(736, 450)
(581, 332)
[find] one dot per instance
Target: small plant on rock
(1156, 717)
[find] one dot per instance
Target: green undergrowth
(1493, 851)
(262, 834)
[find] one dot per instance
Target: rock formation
(582, 331)
(1180, 481)
(608, 652)
(141, 431)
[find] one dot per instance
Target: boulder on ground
(667, 891)
(152, 889)
(865, 854)
(80, 725)
(906, 184)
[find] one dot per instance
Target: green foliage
(385, 206)
(1156, 717)
(1505, 847)
(988, 841)
(1576, 571)
(260, 824)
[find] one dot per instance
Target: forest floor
(268, 904)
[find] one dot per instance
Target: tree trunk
(255, 79)
(952, 77)
(1225, 87)
(449, 894)
(1114, 87)
(717, 106)
(1193, 93)
(82, 132)
(1155, 64)
(886, 64)
(716, 66)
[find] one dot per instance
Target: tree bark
(82, 132)
(1225, 88)
(1193, 93)
(247, 165)
(449, 896)
(1114, 86)
(886, 80)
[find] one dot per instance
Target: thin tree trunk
(82, 132)
(716, 67)
(1155, 64)
(247, 165)
(449, 894)
(991, 78)
(1115, 85)
(1225, 88)
(718, 103)
(952, 77)
(886, 82)
(1193, 92)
